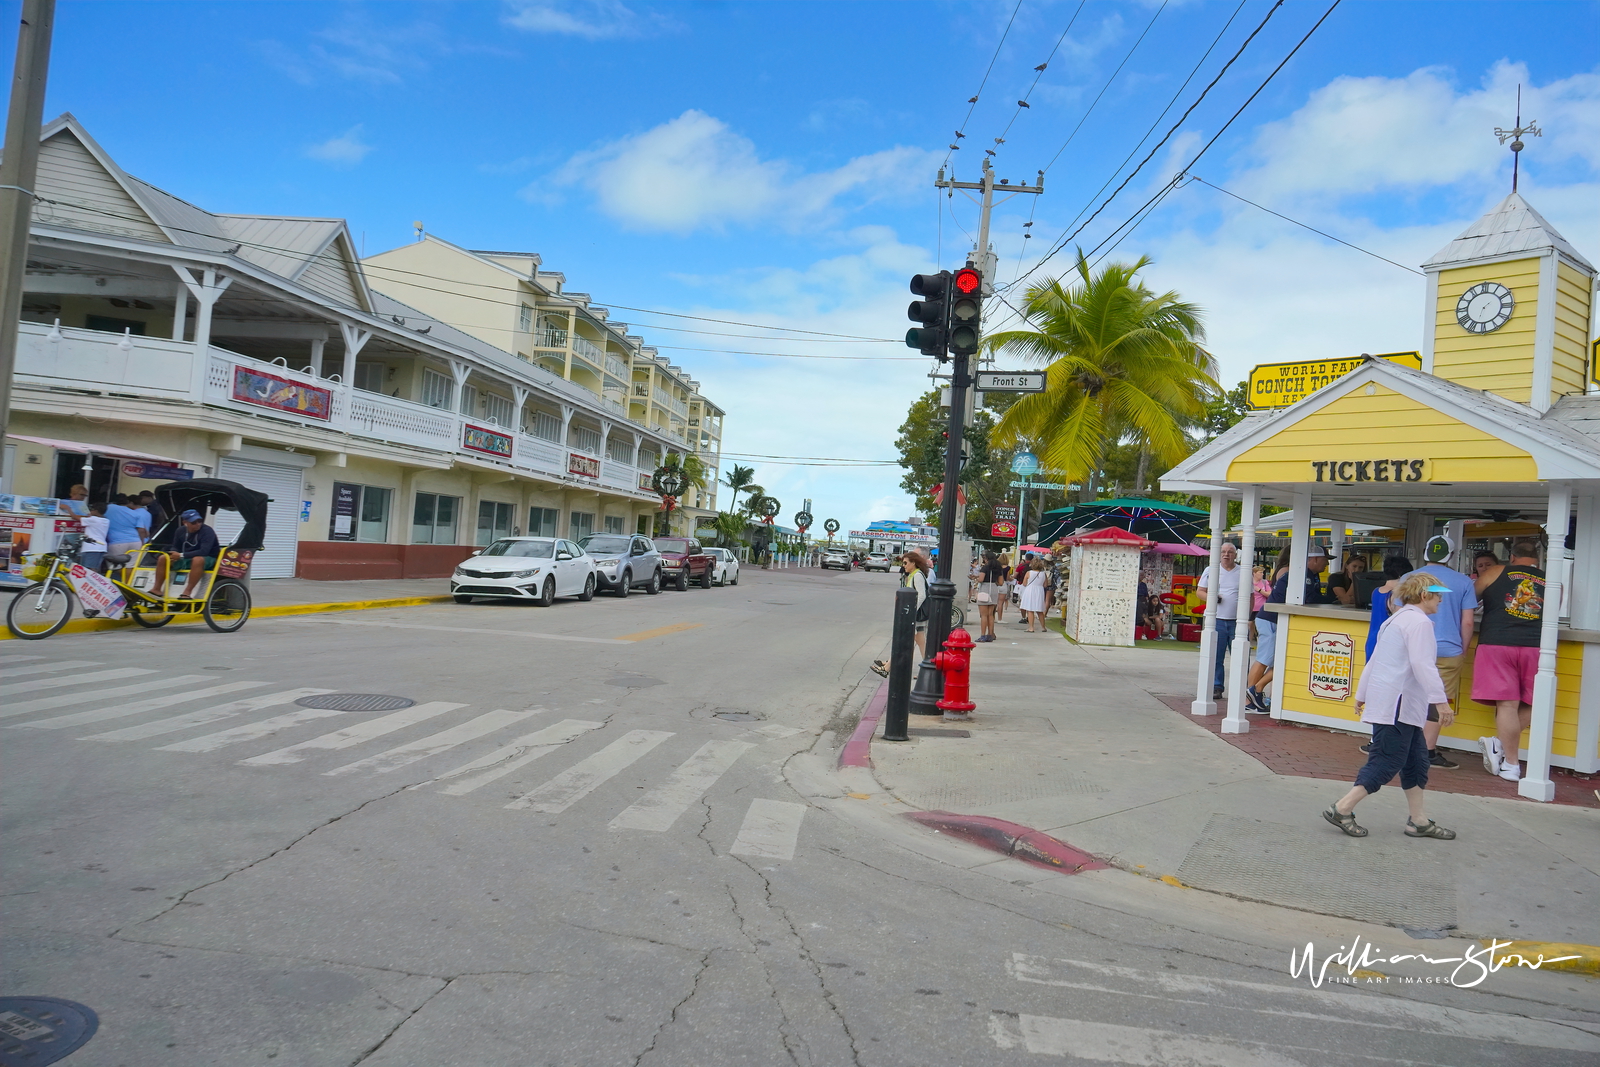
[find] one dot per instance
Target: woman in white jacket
(1400, 690)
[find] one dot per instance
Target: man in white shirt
(1227, 593)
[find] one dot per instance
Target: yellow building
(1501, 423)
(506, 300)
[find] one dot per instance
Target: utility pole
(18, 170)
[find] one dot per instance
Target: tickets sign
(1332, 662)
(1277, 385)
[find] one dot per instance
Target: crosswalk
(195, 715)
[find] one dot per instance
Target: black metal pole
(942, 591)
(902, 656)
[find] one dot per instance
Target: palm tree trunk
(1144, 469)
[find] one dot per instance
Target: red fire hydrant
(956, 663)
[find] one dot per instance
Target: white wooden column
(519, 395)
(567, 411)
(206, 288)
(1294, 593)
(1336, 546)
(1239, 669)
(355, 339)
(180, 312)
(316, 355)
(459, 372)
(1584, 596)
(1536, 783)
(1203, 703)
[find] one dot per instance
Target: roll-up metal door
(283, 485)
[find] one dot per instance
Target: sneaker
(1491, 758)
(1437, 758)
(1511, 772)
(1366, 748)
(1252, 698)
(1216, 694)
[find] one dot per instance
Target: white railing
(550, 337)
(402, 422)
(680, 406)
(617, 367)
(64, 357)
(641, 389)
(590, 352)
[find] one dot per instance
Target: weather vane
(1515, 135)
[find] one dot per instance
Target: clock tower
(1508, 309)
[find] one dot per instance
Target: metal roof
(1511, 228)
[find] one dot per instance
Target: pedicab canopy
(208, 495)
(1499, 425)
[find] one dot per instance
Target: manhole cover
(355, 702)
(634, 681)
(738, 716)
(40, 1030)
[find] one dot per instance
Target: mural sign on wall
(490, 443)
(281, 394)
(583, 466)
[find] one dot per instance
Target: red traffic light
(967, 280)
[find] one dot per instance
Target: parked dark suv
(684, 561)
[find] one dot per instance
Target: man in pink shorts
(1508, 653)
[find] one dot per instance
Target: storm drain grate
(355, 702)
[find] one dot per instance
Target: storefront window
(373, 524)
(582, 525)
(614, 524)
(494, 521)
(542, 522)
(433, 519)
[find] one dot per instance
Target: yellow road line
(84, 626)
(1529, 953)
(661, 631)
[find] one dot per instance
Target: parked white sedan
(525, 568)
(726, 571)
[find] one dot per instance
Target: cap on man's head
(192, 516)
(1315, 551)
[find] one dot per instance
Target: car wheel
(735, 578)
(683, 579)
(705, 579)
(463, 599)
(655, 583)
(624, 584)
(547, 595)
(588, 589)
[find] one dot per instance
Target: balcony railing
(616, 366)
(641, 389)
(550, 337)
(589, 352)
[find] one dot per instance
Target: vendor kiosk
(1499, 423)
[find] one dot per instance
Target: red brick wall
(334, 561)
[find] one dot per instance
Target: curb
(89, 626)
(1011, 839)
(857, 752)
(1546, 955)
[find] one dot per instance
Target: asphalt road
(604, 833)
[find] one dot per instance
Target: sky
(772, 163)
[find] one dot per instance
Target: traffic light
(933, 311)
(966, 312)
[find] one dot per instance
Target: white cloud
(694, 172)
(593, 20)
(341, 152)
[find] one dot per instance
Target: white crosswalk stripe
(138, 707)
(204, 717)
(48, 668)
(519, 753)
(660, 808)
(251, 731)
(583, 777)
(67, 700)
(354, 735)
(77, 679)
(443, 741)
(8, 657)
(1134, 1046)
(771, 830)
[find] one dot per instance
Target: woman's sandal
(880, 667)
(1429, 829)
(1347, 823)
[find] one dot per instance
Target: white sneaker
(1491, 759)
(1511, 772)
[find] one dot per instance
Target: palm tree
(1123, 363)
(738, 479)
(752, 502)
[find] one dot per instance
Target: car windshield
(599, 544)
(533, 549)
(672, 544)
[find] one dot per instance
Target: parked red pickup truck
(684, 561)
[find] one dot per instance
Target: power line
(1303, 225)
(1184, 170)
(1106, 86)
(1039, 73)
(972, 104)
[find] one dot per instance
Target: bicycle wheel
(39, 610)
(227, 607)
(958, 618)
(150, 620)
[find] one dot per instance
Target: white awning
(99, 450)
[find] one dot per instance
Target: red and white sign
(1332, 660)
(96, 592)
(1007, 530)
(583, 466)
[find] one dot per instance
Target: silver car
(525, 568)
(623, 561)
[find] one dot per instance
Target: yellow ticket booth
(1500, 423)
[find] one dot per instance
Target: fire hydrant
(956, 663)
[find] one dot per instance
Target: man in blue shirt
(1452, 628)
(194, 550)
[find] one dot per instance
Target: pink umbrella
(1180, 550)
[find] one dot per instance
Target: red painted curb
(857, 752)
(1011, 839)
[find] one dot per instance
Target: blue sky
(772, 162)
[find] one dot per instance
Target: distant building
(893, 538)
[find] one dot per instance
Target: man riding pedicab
(193, 552)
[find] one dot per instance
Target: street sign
(1037, 485)
(996, 381)
(1005, 513)
(1025, 464)
(1277, 385)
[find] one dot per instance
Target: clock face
(1486, 306)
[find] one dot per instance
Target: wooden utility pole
(18, 169)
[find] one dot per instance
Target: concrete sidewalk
(1075, 742)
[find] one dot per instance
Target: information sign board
(1037, 485)
(1277, 385)
(1008, 381)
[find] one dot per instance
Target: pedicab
(132, 585)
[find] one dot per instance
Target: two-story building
(158, 335)
(506, 300)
